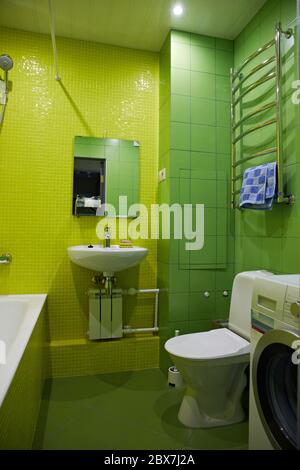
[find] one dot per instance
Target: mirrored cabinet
(104, 170)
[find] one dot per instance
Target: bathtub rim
(35, 307)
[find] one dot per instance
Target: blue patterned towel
(259, 187)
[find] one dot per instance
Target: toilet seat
(213, 344)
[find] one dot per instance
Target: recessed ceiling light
(178, 10)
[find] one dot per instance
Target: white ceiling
(139, 24)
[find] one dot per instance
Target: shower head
(6, 62)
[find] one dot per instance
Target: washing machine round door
(276, 385)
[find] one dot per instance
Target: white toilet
(213, 363)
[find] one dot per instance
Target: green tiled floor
(128, 410)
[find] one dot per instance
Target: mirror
(104, 170)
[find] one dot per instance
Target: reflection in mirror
(104, 170)
(88, 186)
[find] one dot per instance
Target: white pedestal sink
(106, 260)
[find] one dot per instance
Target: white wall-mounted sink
(106, 260)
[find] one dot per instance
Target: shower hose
(2, 109)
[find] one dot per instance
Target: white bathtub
(18, 316)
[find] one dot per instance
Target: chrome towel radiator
(239, 91)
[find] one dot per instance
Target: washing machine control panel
(277, 298)
(291, 308)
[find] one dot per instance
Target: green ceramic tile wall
(164, 189)
(200, 143)
(196, 125)
(271, 240)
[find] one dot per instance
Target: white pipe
(156, 311)
(52, 30)
(145, 291)
(128, 331)
(133, 291)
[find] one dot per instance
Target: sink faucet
(5, 258)
(107, 236)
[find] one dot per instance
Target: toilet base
(193, 417)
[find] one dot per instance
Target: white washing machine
(274, 414)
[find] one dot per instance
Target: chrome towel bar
(263, 153)
(254, 113)
(238, 118)
(252, 56)
(253, 129)
(254, 85)
(253, 72)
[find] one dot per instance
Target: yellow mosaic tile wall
(20, 409)
(80, 357)
(106, 91)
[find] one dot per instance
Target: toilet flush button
(295, 309)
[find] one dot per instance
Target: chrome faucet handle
(107, 233)
(107, 236)
(5, 258)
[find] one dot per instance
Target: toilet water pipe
(132, 291)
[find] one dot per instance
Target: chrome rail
(279, 115)
(253, 56)
(277, 119)
(254, 85)
(253, 129)
(263, 153)
(254, 113)
(254, 71)
(238, 177)
(233, 147)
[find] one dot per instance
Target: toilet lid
(208, 345)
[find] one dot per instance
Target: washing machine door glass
(275, 384)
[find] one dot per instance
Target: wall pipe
(129, 331)
(132, 291)
(53, 39)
